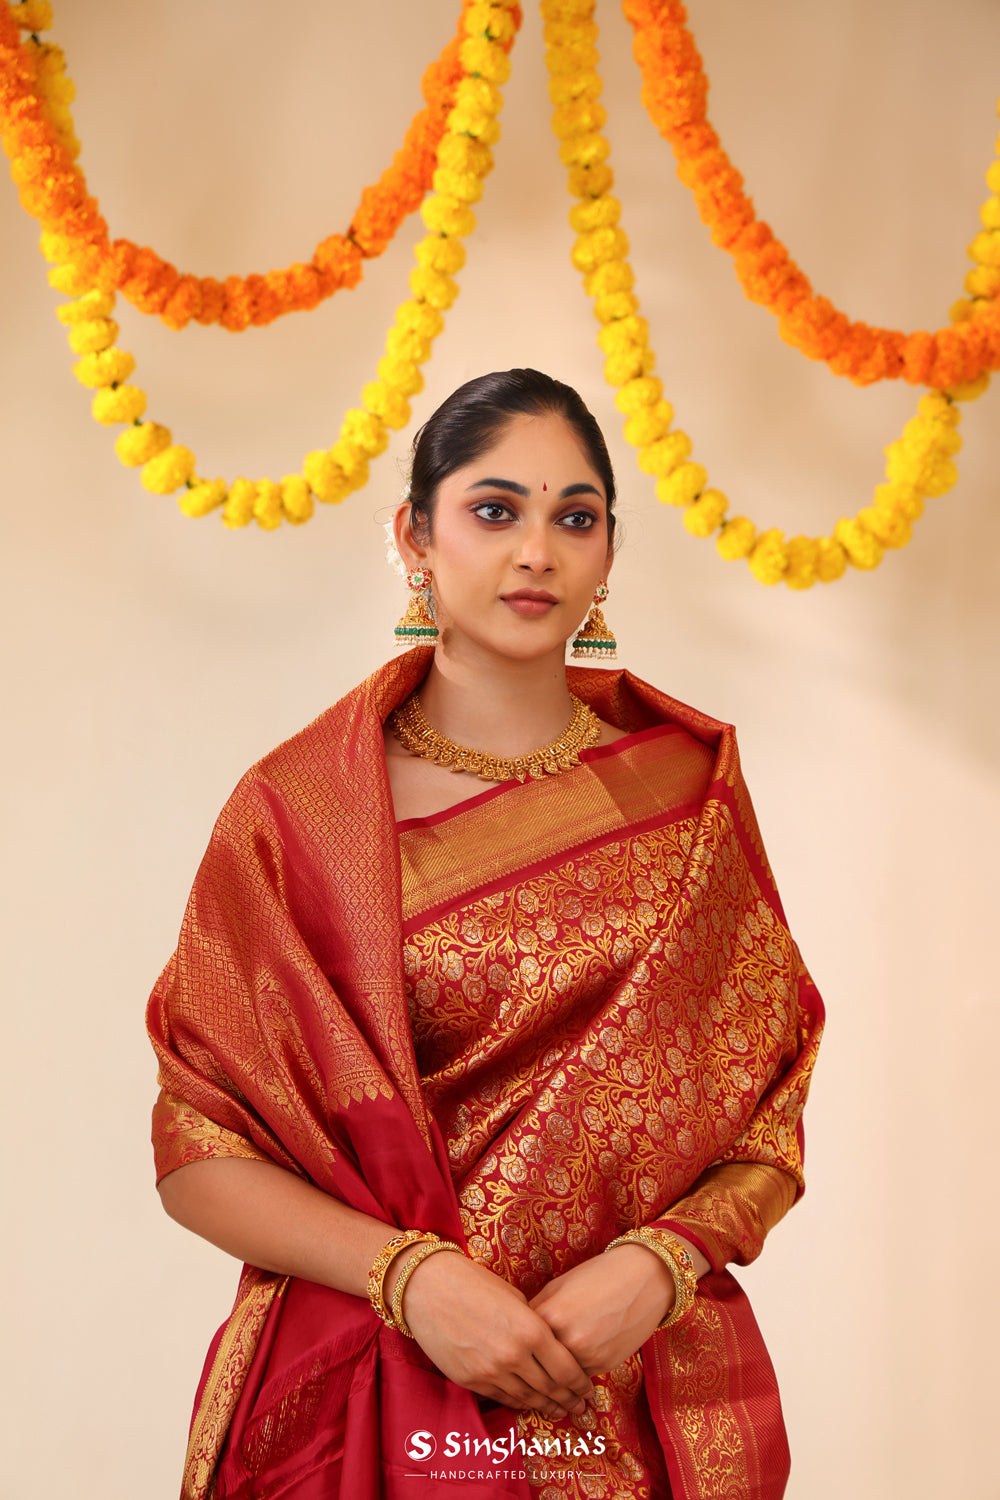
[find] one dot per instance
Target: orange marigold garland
(919, 463)
(675, 93)
(464, 158)
(38, 134)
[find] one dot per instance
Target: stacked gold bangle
(380, 1267)
(678, 1262)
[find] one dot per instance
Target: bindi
(544, 486)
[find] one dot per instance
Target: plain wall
(150, 659)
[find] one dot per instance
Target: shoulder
(628, 703)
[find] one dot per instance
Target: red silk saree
(541, 1018)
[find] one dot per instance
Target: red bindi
(544, 486)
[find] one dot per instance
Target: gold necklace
(415, 735)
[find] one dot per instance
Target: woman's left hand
(606, 1308)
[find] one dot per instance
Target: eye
(492, 510)
(579, 520)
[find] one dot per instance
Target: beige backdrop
(151, 659)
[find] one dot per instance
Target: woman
(420, 1005)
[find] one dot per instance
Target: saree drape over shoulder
(541, 1018)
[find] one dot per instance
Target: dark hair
(472, 418)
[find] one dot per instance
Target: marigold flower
(32, 15)
(267, 505)
(662, 457)
(584, 151)
(636, 394)
(432, 287)
(238, 507)
(683, 486)
(107, 367)
(325, 477)
(91, 306)
(595, 213)
(168, 471)
(138, 444)
(418, 318)
(598, 248)
(91, 335)
(444, 215)
(629, 365)
(591, 181)
(768, 558)
(462, 187)
(296, 501)
(480, 56)
(863, 550)
(386, 402)
(625, 333)
(202, 497)
(493, 21)
(403, 375)
(736, 538)
(648, 425)
(802, 562)
(118, 403)
(441, 254)
(705, 515)
(832, 560)
(564, 88)
(615, 305)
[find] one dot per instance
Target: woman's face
(520, 541)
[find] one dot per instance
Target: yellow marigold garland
(464, 160)
(920, 463)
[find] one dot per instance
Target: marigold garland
(453, 136)
(675, 93)
(919, 463)
(464, 159)
(38, 134)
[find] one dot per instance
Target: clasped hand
(486, 1336)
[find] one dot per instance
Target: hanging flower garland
(39, 136)
(675, 93)
(919, 463)
(464, 159)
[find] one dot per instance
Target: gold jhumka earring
(594, 642)
(417, 627)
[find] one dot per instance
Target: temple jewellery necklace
(415, 735)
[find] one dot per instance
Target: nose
(533, 552)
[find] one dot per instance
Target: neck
(489, 703)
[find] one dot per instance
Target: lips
(529, 603)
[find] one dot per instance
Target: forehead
(543, 448)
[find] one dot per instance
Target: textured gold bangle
(380, 1265)
(678, 1262)
(398, 1321)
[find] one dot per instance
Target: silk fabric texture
(284, 1033)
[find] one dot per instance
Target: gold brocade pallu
(553, 1013)
(575, 1075)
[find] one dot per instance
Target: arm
(475, 1326)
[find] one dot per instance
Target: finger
(530, 1398)
(556, 1373)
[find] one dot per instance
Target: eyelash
(500, 505)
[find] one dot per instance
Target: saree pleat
(553, 1013)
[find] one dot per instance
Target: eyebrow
(524, 492)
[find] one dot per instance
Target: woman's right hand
(481, 1333)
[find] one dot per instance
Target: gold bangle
(678, 1262)
(398, 1321)
(380, 1265)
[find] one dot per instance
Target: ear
(609, 560)
(410, 550)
